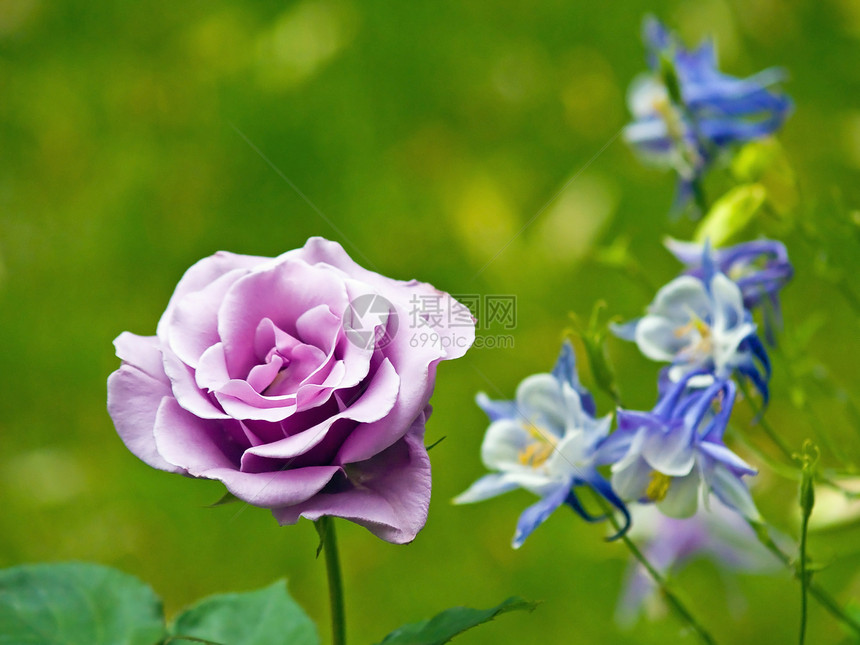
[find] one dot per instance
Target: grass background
(134, 139)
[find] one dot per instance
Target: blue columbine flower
(686, 111)
(674, 456)
(759, 268)
(547, 441)
(701, 325)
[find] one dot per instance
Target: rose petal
(419, 363)
(281, 292)
(319, 327)
(143, 352)
(304, 362)
(133, 401)
(373, 404)
(241, 401)
(262, 376)
(415, 390)
(405, 295)
(193, 323)
(203, 273)
(269, 336)
(187, 392)
(211, 373)
(195, 444)
(275, 489)
(389, 494)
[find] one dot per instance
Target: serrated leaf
(263, 617)
(452, 622)
(74, 603)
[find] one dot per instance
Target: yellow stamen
(658, 486)
(538, 451)
(704, 344)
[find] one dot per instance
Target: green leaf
(268, 616)
(77, 604)
(452, 622)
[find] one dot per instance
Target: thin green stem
(804, 578)
(823, 597)
(325, 528)
(779, 468)
(700, 197)
(763, 423)
(676, 603)
(791, 472)
(784, 448)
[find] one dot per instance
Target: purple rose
(288, 380)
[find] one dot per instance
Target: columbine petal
(631, 480)
(658, 340)
(682, 497)
(503, 443)
(540, 398)
(721, 454)
(671, 452)
(565, 373)
(496, 409)
(728, 311)
(682, 298)
(729, 488)
(537, 513)
(486, 487)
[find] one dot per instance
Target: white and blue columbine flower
(686, 111)
(674, 456)
(700, 324)
(760, 269)
(547, 441)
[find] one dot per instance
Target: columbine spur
(674, 455)
(760, 269)
(547, 441)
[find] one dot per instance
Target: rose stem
(325, 526)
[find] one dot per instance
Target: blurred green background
(132, 138)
